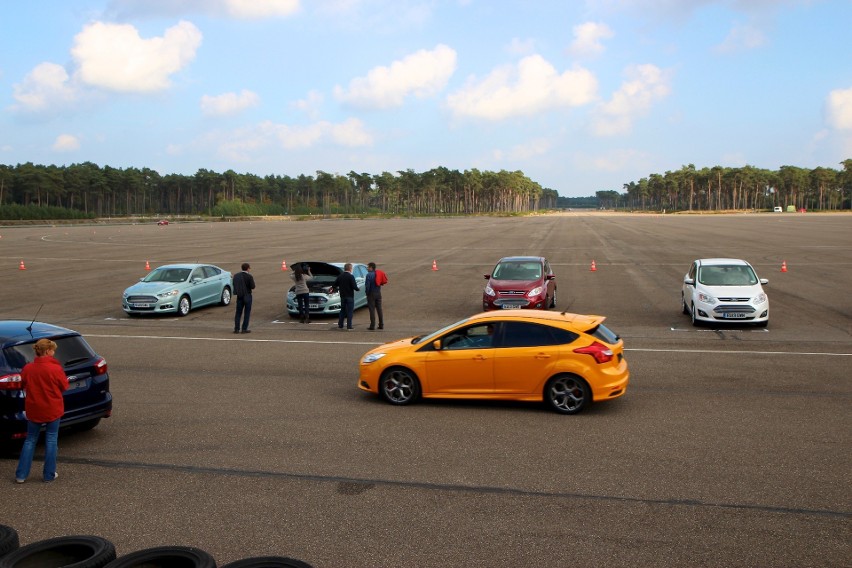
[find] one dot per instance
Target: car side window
(474, 337)
(524, 334)
(692, 270)
(197, 273)
(360, 272)
(210, 271)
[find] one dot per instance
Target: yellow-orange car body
(566, 360)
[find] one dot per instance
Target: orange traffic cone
(22, 267)
(147, 265)
(283, 265)
(784, 266)
(434, 265)
(593, 267)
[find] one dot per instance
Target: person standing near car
(301, 276)
(373, 287)
(347, 286)
(243, 285)
(43, 382)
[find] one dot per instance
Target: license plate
(511, 307)
(313, 306)
(140, 305)
(77, 385)
(735, 315)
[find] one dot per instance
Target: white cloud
(46, 87)
(311, 104)
(587, 39)
(228, 103)
(520, 46)
(66, 143)
(114, 57)
(839, 109)
(422, 74)
(646, 84)
(742, 37)
(522, 152)
(532, 86)
(257, 9)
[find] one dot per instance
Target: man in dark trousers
(373, 287)
(347, 286)
(243, 285)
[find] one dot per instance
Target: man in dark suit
(347, 286)
(243, 285)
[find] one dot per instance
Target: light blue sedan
(178, 288)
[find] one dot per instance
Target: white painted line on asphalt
(691, 330)
(739, 352)
(242, 338)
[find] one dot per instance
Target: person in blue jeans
(43, 382)
(347, 286)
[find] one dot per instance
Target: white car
(724, 290)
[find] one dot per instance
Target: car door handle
(542, 356)
(478, 358)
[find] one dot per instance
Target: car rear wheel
(184, 305)
(226, 296)
(399, 386)
(567, 394)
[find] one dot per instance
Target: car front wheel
(695, 321)
(399, 386)
(183, 305)
(553, 299)
(226, 296)
(683, 307)
(567, 394)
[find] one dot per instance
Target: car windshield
(727, 275)
(435, 334)
(168, 275)
(513, 270)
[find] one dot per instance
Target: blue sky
(580, 95)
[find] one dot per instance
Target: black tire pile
(86, 551)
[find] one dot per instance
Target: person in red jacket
(43, 382)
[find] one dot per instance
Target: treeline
(719, 188)
(105, 191)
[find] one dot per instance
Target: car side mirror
(436, 344)
(551, 277)
(487, 276)
(195, 280)
(764, 281)
(689, 281)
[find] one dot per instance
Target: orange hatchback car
(566, 360)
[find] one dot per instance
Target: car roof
(520, 259)
(715, 261)
(578, 321)
(15, 331)
(184, 265)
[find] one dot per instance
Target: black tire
(165, 557)
(267, 562)
(695, 321)
(567, 394)
(8, 540)
(65, 551)
(226, 296)
(553, 300)
(184, 305)
(399, 386)
(683, 307)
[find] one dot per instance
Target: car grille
(511, 292)
(734, 299)
(317, 299)
(730, 309)
(141, 300)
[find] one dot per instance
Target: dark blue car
(87, 399)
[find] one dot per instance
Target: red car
(520, 282)
(162, 222)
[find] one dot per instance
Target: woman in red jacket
(43, 381)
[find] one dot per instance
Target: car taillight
(10, 382)
(101, 366)
(599, 351)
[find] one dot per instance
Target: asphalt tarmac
(730, 448)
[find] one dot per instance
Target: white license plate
(735, 315)
(511, 307)
(313, 306)
(140, 305)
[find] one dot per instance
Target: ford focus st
(87, 399)
(566, 360)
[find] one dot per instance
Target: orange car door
(526, 356)
(463, 365)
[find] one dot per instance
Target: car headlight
(535, 291)
(760, 298)
(168, 294)
(489, 291)
(372, 357)
(706, 298)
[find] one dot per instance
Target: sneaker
(236, 331)
(246, 331)
(381, 326)
(19, 480)
(55, 477)
(371, 328)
